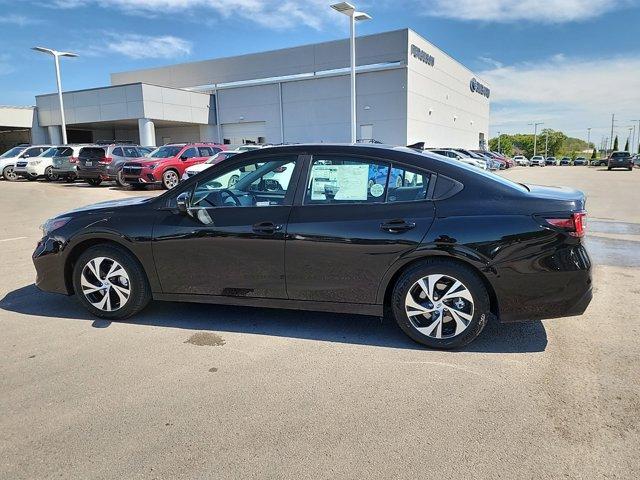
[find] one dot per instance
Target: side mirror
(182, 202)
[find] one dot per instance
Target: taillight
(73, 160)
(105, 160)
(574, 225)
(279, 169)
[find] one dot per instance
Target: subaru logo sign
(477, 87)
(422, 56)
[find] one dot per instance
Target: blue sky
(569, 63)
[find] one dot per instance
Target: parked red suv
(167, 164)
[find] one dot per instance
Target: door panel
(354, 223)
(225, 258)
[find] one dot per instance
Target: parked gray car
(98, 163)
(66, 161)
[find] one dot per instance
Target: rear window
(92, 152)
(620, 155)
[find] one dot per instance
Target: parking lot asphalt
(203, 391)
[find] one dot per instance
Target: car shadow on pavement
(329, 327)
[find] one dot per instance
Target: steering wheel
(229, 194)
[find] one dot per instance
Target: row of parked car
(615, 160)
(123, 163)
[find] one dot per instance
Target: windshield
(165, 152)
(14, 152)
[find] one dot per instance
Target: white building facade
(408, 91)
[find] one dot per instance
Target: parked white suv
(38, 167)
(20, 153)
(537, 161)
(521, 161)
(474, 162)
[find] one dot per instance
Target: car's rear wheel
(31, 178)
(170, 179)
(94, 182)
(440, 304)
(71, 177)
(49, 175)
(110, 282)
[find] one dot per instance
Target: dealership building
(408, 91)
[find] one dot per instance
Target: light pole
(56, 57)
(499, 138)
(535, 136)
(589, 137)
(354, 16)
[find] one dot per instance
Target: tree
(506, 145)
(594, 155)
(615, 144)
(626, 146)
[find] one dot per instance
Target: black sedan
(440, 246)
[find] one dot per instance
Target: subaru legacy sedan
(441, 250)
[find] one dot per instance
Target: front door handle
(266, 228)
(397, 226)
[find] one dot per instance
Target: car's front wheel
(9, 174)
(94, 182)
(440, 304)
(110, 282)
(120, 179)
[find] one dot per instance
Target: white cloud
(19, 20)
(142, 46)
(569, 94)
(276, 14)
(504, 11)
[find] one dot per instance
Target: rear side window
(34, 152)
(64, 152)
(92, 152)
(407, 185)
(342, 180)
(118, 152)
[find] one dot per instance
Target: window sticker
(376, 190)
(352, 182)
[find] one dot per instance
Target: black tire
(170, 179)
(94, 182)
(609, 168)
(481, 303)
(140, 291)
(49, 176)
(31, 178)
(120, 180)
(8, 175)
(70, 178)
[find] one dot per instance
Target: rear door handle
(266, 228)
(397, 226)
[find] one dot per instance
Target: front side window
(33, 152)
(206, 151)
(257, 183)
(131, 152)
(337, 180)
(189, 153)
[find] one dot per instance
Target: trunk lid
(557, 199)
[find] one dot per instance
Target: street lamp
(535, 136)
(354, 16)
(589, 137)
(634, 140)
(56, 56)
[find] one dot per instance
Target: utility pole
(546, 145)
(535, 136)
(613, 120)
(499, 135)
(589, 137)
(636, 143)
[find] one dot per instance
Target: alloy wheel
(439, 306)
(171, 179)
(9, 174)
(105, 284)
